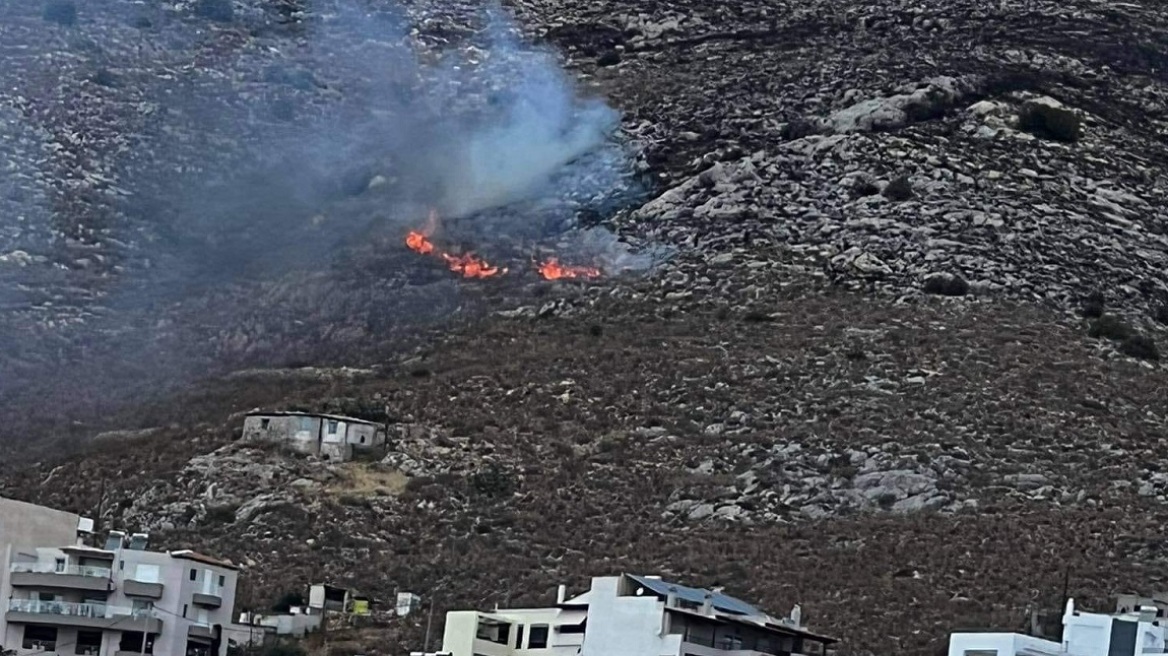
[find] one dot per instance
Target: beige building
(63, 597)
(335, 437)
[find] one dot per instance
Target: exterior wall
(26, 526)
(629, 626)
(316, 435)
(299, 432)
(1090, 633)
(1001, 644)
(365, 435)
(458, 637)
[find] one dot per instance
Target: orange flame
(468, 265)
(551, 269)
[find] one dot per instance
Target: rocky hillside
(898, 349)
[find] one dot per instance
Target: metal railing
(73, 609)
(71, 570)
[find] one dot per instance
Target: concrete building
(25, 525)
(331, 436)
(1136, 630)
(631, 615)
(117, 600)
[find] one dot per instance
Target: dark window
(537, 639)
(332, 427)
(88, 642)
(362, 439)
(518, 636)
(198, 649)
(40, 637)
(222, 580)
(194, 574)
(264, 423)
(184, 610)
(132, 641)
(573, 628)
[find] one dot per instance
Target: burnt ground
(788, 407)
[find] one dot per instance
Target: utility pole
(429, 623)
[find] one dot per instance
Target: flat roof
(92, 552)
(321, 415)
(187, 554)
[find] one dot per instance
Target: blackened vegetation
(222, 11)
(1127, 339)
(62, 12)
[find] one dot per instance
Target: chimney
(708, 604)
(561, 594)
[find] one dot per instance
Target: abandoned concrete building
(330, 436)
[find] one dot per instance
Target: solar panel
(720, 601)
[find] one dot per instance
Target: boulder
(1048, 118)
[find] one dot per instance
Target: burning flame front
(469, 265)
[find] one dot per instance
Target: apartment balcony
(200, 631)
(142, 589)
(35, 575)
(83, 616)
(207, 599)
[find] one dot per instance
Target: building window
(332, 427)
(222, 580)
(40, 637)
(185, 610)
(198, 649)
(538, 637)
(59, 565)
(574, 628)
(132, 641)
(147, 573)
(194, 574)
(264, 423)
(362, 439)
(88, 642)
(519, 636)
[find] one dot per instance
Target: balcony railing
(72, 609)
(70, 570)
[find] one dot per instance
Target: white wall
(625, 626)
(1003, 644)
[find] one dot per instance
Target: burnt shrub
(221, 11)
(224, 514)
(287, 601)
(1093, 306)
(899, 190)
(492, 481)
(1160, 314)
(1139, 346)
(62, 12)
(945, 284)
(1110, 327)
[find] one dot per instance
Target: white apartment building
(630, 615)
(1135, 630)
(68, 598)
